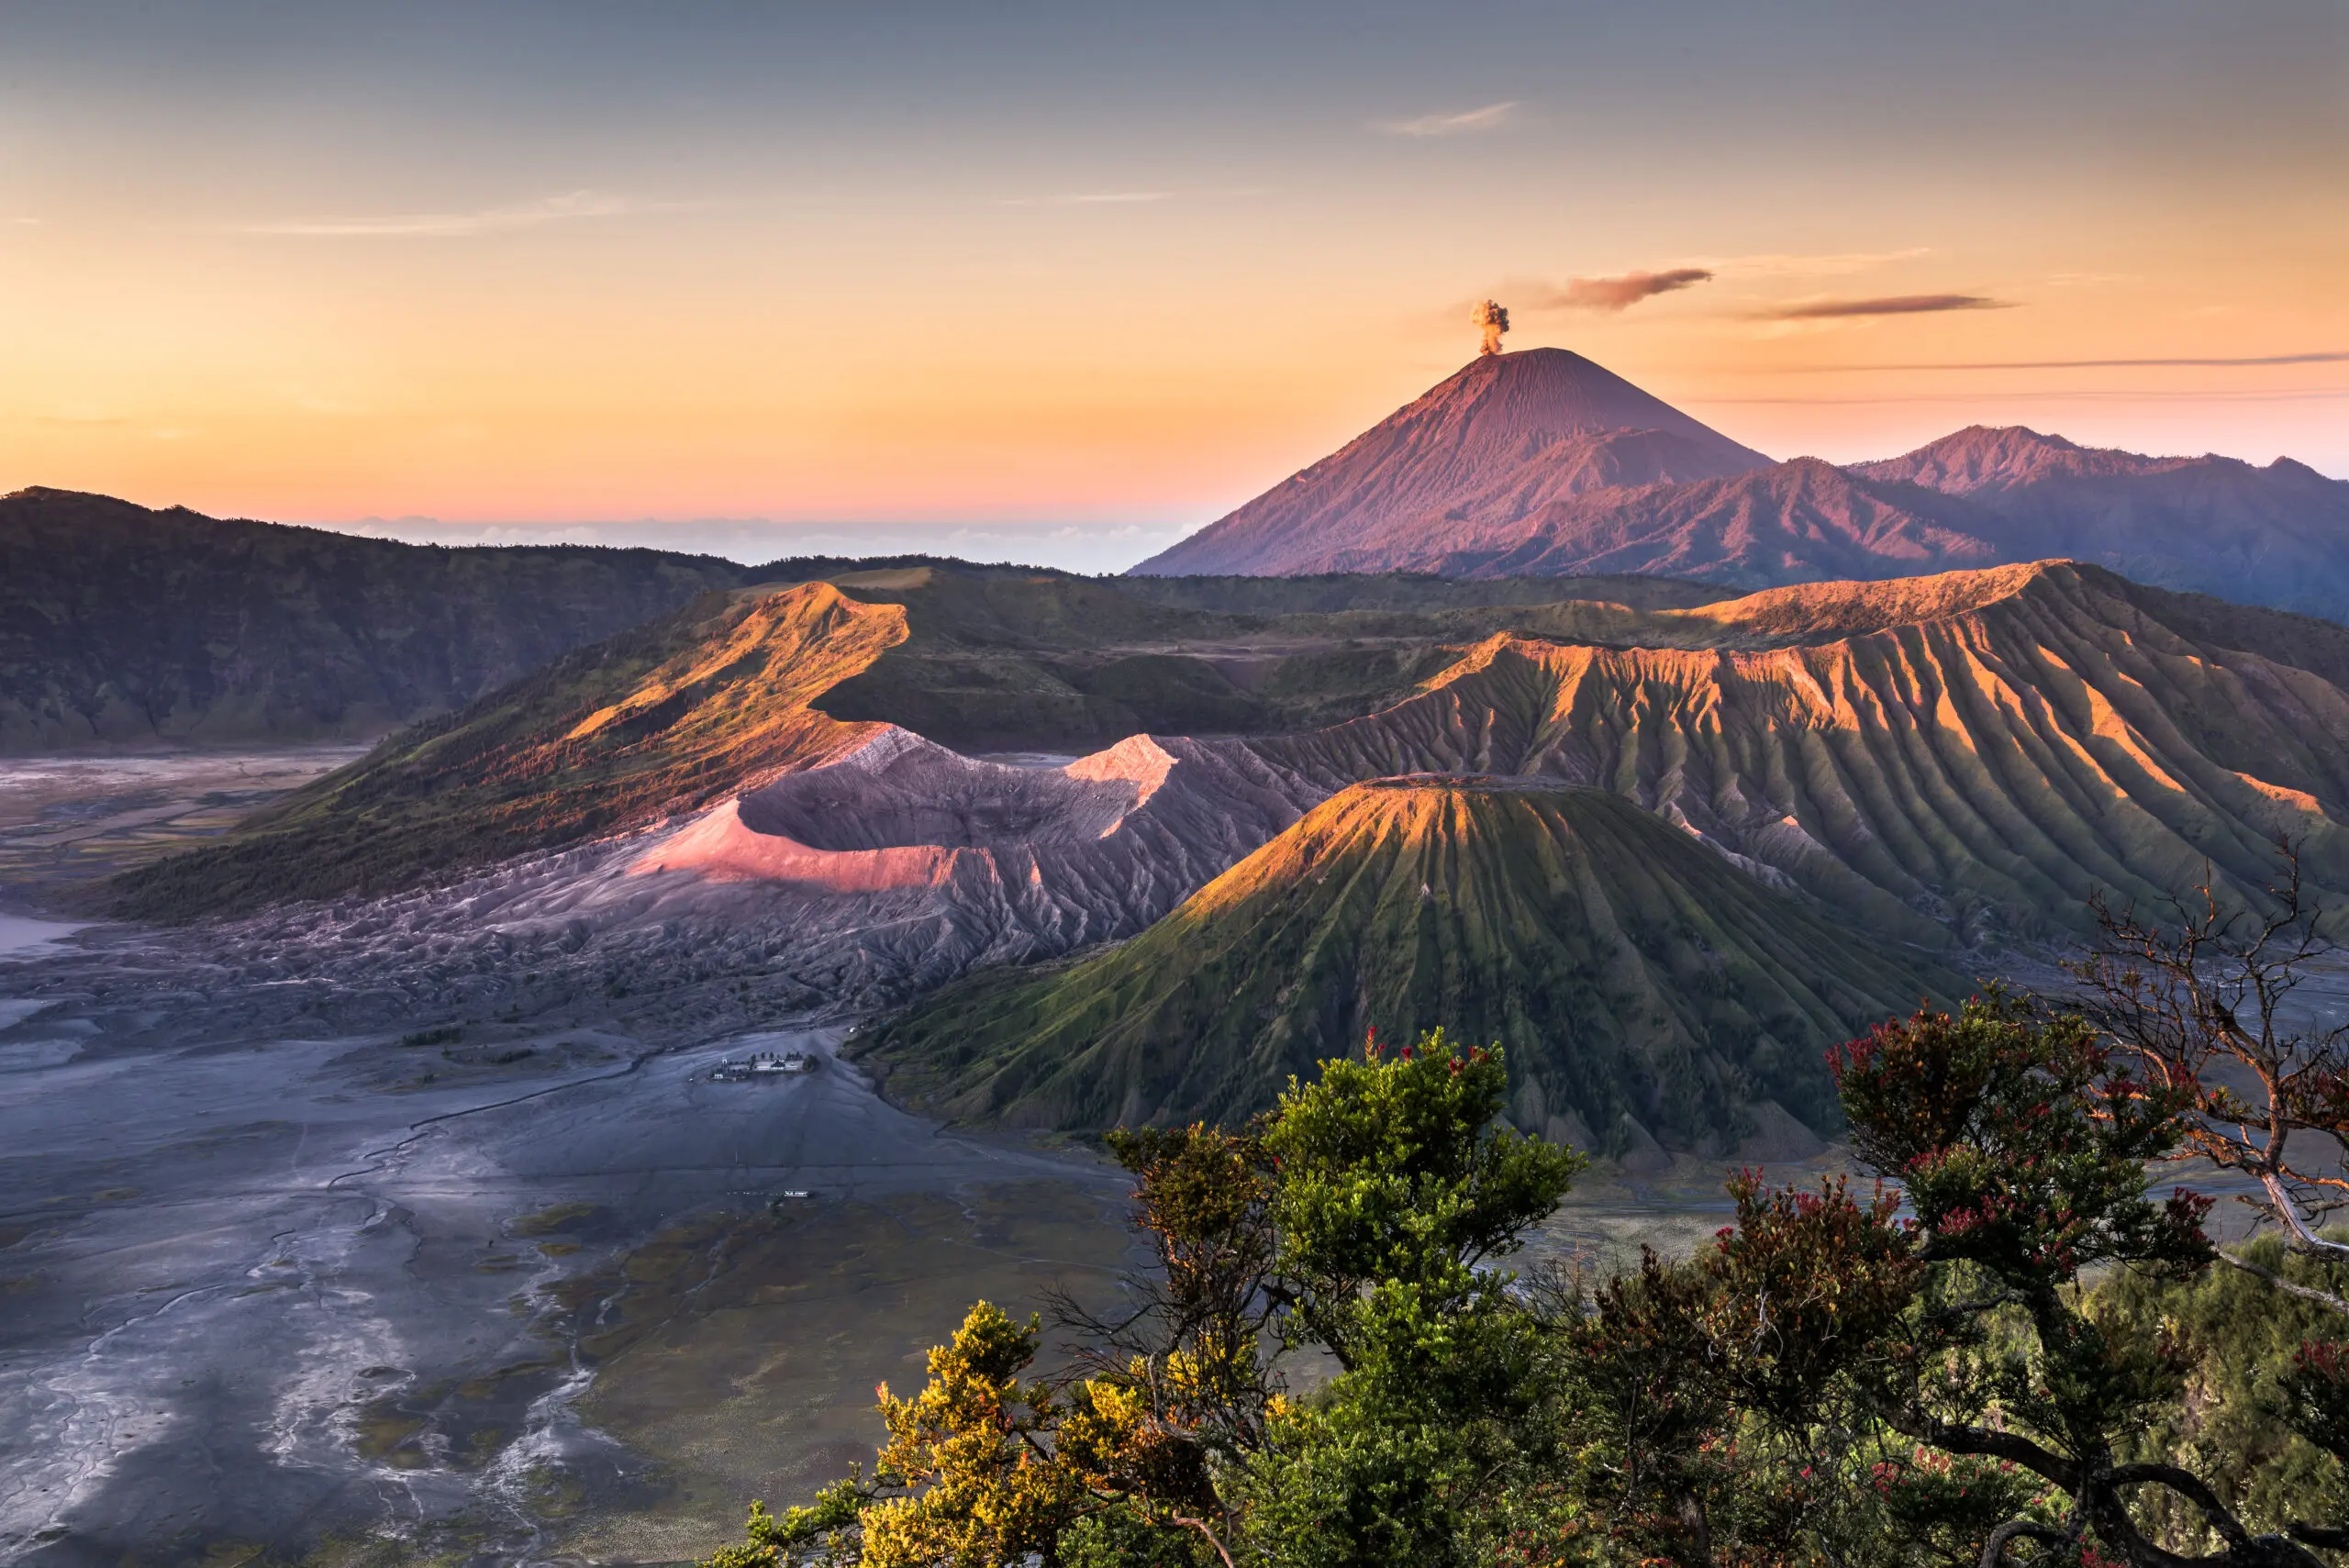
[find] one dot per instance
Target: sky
(1066, 282)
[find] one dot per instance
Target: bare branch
(2330, 1303)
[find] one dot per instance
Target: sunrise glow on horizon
(914, 264)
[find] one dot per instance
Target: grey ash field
(356, 1281)
(341, 1290)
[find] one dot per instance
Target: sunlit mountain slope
(1976, 751)
(1643, 986)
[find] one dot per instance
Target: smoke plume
(1493, 320)
(1622, 292)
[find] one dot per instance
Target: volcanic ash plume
(1494, 321)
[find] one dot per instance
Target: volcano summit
(1484, 448)
(1543, 463)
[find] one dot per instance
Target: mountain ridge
(121, 625)
(1410, 495)
(1952, 759)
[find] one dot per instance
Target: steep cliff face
(1484, 449)
(121, 626)
(1643, 986)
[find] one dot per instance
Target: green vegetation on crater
(1643, 986)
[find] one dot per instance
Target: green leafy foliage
(1914, 1376)
(2021, 1141)
(2263, 1411)
(1639, 978)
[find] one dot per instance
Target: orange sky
(1097, 274)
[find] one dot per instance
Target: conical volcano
(1500, 439)
(1644, 987)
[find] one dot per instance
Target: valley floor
(377, 1283)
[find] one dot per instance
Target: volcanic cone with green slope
(1644, 987)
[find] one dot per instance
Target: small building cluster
(765, 1064)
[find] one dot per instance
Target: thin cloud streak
(2038, 397)
(1831, 265)
(1492, 117)
(2310, 358)
(1621, 293)
(563, 208)
(1884, 304)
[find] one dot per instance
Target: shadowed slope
(119, 625)
(1793, 522)
(1642, 984)
(2277, 535)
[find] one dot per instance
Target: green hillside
(1642, 984)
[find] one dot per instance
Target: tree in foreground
(1357, 1220)
(2201, 997)
(1911, 1377)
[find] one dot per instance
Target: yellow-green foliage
(2238, 1335)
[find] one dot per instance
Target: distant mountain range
(1542, 462)
(119, 625)
(125, 627)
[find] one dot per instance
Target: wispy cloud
(2326, 357)
(1492, 117)
(1782, 264)
(1882, 305)
(564, 209)
(1621, 292)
